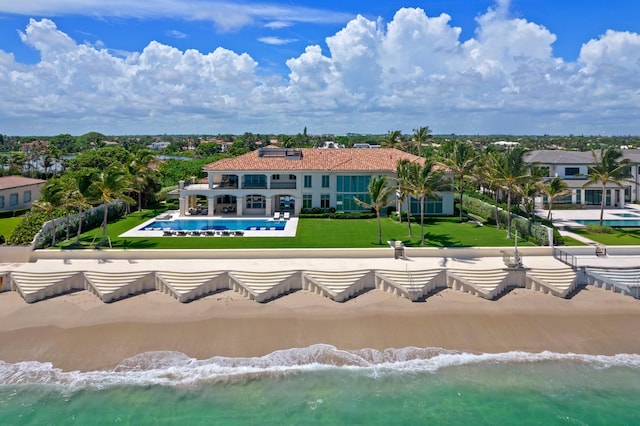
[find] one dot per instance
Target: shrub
(596, 228)
(526, 228)
(2, 240)
(30, 229)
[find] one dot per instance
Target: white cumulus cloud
(372, 76)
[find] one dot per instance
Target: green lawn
(619, 236)
(315, 233)
(8, 224)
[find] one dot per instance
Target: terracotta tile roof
(345, 160)
(7, 182)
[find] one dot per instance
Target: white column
(268, 203)
(182, 206)
(239, 205)
(210, 206)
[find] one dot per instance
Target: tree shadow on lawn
(88, 242)
(439, 240)
(628, 232)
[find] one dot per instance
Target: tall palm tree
(379, 193)
(608, 168)
(82, 198)
(461, 161)
(49, 202)
(510, 172)
(420, 136)
(554, 189)
(403, 189)
(108, 186)
(426, 181)
(141, 173)
(71, 198)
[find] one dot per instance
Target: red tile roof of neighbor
(7, 182)
(346, 160)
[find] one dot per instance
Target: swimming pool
(625, 214)
(615, 223)
(215, 224)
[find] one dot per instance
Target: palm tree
(71, 198)
(379, 193)
(4, 164)
(425, 182)
(403, 189)
(420, 137)
(82, 199)
(16, 163)
(49, 202)
(461, 162)
(392, 139)
(510, 172)
(555, 189)
(141, 173)
(109, 185)
(608, 168)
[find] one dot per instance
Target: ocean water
(322, 385)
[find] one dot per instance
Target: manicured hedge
(31, 228)
(526, 229)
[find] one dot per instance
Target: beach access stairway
(35, 286)
(337, 285)
(263, 286)
(560, 282)
(187, 286)
(624, 281)
(488, 283)
(414, 285)
(112, 286)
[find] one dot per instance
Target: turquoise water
(217, 224)
(621, 223)
(324, 386)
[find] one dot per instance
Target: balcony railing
(226, 184)
(283, 185)
(254, 185)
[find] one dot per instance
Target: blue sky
(200, 66)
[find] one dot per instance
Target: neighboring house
(17, 192)
(158, 146)
(270, 180)
(573, 168)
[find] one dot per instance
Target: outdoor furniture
(287, 215)
(276, 216)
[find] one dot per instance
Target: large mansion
(270, 180)
(573, 168)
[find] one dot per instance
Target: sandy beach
(79, 332)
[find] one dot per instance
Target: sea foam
(177, 369)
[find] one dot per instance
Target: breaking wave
(167, 368)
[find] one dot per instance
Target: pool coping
(291, 227)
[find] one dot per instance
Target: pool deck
(290, 229)
(567, 218)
